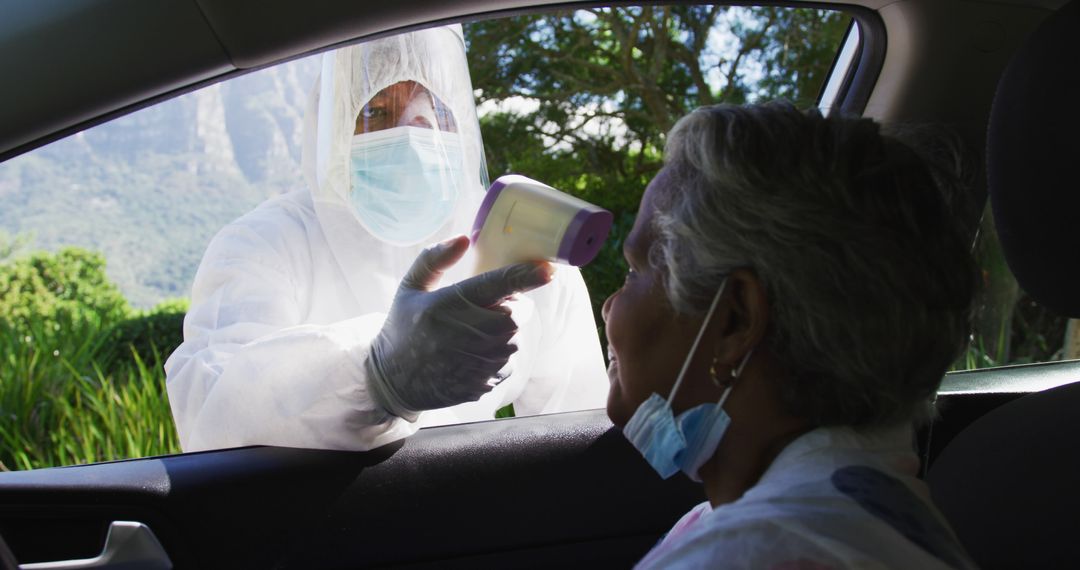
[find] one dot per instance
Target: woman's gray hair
(867, 269)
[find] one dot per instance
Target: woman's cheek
(616, 408)
(612, 314)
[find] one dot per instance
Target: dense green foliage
(80, 370)
(151, 334)
(608, 83)
(63, 409)
(67, 289)
(1009, 326)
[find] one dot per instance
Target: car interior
(563, 489)
(1004, 480)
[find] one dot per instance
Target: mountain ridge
(150, 189)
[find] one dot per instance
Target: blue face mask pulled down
(685, 442)
(405, 182)
(677, 443)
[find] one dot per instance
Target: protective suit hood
(349, 78)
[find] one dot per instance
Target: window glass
(103, 231)
(582, 100)
(1010, 327)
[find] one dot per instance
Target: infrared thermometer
(524, 220)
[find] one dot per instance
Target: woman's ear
(743, 314)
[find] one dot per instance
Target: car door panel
(525, 492)
(517, 492)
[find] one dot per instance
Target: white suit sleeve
(569, 373)
(249, 373)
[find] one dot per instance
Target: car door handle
(127, 545)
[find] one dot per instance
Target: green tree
(602, 86)
(67, 289)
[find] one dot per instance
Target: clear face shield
(405, 104)
(402, 123)
(407, 164)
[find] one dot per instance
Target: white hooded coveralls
(289, 297)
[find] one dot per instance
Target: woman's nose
(606, 308)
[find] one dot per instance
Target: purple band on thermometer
(585, 236)
(485, 209)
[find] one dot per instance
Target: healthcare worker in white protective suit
(321, 319)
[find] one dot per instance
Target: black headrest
(1008, 482)
(1033, 162)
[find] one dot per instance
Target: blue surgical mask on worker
(405, 182)
(685, 442)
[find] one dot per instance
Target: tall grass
(72, 396)
(983, 354)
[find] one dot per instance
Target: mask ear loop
(735, 373)
(697, 340)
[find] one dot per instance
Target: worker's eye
(630, 275)
(375, 116)
(372, 113)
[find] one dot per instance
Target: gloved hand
(440, 348)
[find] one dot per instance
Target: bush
(81, 376)
(59, 294)
(152, 335)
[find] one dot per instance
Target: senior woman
(797, 289)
